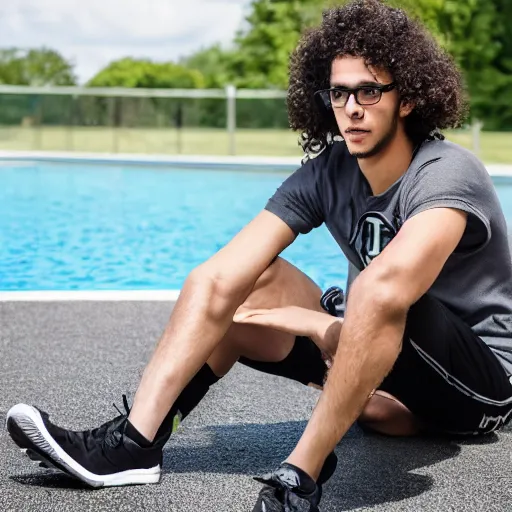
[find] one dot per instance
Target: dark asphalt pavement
(75, 359)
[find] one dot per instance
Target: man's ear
(406, 109)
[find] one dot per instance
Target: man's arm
(321, 327)
(372, 332)
(202, 315)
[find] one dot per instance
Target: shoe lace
(126, 407)
(109, 432)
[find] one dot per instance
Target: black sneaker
(289, 489)
(101, 457)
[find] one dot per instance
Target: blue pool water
(91, 227)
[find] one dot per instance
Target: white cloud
(94, 32)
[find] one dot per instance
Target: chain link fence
(155, 121)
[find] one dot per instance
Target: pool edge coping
(185, 161)
(158, 160)
(90, 296)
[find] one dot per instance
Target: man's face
(367, 129)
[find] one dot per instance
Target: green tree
(273, 31)
(496, 102)
(35, 67)
(130, 72)
(477, 33)
(135, 73)
(213, 63)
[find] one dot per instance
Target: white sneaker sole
(28, 431)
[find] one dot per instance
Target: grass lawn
(494, 147)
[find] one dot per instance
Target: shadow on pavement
(371, 470)
(49, 479)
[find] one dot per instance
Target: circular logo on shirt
(373, 233)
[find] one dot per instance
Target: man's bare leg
(386, 415)
(281, 284)
(136, 460)
(253, 342)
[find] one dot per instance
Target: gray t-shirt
(476, 281)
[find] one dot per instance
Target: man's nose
(352, 108)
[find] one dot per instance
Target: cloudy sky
(91, 33)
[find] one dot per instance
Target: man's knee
(271, 273)
(385, 414)
(283, 284)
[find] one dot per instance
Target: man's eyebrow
(359, 84)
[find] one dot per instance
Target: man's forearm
(369, 344)
(321, 327)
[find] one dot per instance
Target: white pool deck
(269, 164)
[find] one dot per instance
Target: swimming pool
(99, 227)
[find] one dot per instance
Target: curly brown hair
(425, 75)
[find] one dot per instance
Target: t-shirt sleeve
(298, 201)
(456, 181)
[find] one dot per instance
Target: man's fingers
(251, 316)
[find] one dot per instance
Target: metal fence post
(231, 117)
(476, 129)
(69, 132)
(113, 118)
(38, 122)
(179, 127)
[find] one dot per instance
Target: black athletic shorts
(445, 374)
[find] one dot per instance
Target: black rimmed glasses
(337, 97)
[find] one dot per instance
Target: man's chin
(368, 151)
(361, 153)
